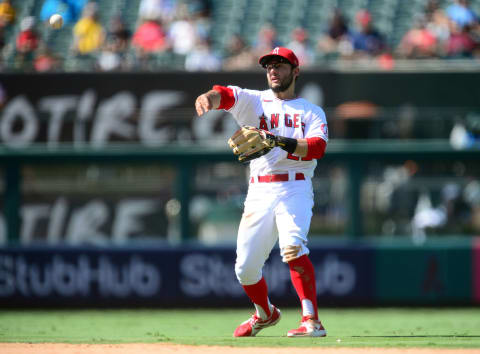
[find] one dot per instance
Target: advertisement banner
(93, 220)
(153, 109)
(476, 270)
(424, 275)
(191, 276)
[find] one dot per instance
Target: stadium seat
(129, 12)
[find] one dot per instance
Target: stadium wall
(360, 274)
(157, 108)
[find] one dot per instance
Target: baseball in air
(55, 21)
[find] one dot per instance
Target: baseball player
(281, 135)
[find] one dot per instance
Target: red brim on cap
(266, 58)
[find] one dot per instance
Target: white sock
(307, 308)
(261, 312)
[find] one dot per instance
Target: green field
(390, 327)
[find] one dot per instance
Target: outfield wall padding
(347, 275)
(476, 270)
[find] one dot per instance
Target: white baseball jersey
(296, 118)
(285, 206)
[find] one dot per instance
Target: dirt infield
(136, 348)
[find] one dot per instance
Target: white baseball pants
(286, 205)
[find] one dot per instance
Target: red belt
(277, 178)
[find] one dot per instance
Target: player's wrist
(214, 98)
(287, 144)
(224, 97)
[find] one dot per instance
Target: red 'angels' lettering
(295, 122)
(288, 121)
(274, 120)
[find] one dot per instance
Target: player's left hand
(250, 143)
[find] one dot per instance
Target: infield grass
(390, 327)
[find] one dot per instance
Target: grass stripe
(388, 327)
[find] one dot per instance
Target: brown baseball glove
(250, 143)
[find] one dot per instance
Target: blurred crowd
(451, 32)
(180, 32)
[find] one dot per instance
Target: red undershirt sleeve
(227, 97)
(316, 148)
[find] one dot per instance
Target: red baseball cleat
(255, 324)
(308, 328)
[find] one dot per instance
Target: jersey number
(296, 158)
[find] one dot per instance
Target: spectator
(475, 34)
(2, 47)
(460, 13)
(418, 42)
(88, 32)
(438, 25)
(28, 39)
(69, 9)
(182, 34)
(149, 37)
(109, 59)
(471, 194)
(461, 43)
(299, 45)
(27, 42)
(431, 7)
(366, 40)
(338, 26)
(7, 13)
(266, 40)
(114, 55)
(202, 58)
(386, 61)
(201, 8)
(336, 41)
(45, 60)
(158, 9)
(2, 40)
(118, 34)
(201, 18)
(239, 55)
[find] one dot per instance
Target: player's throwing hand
(207, 101)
